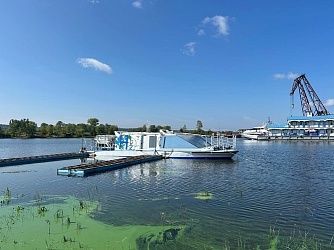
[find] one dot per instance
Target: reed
(273, 238)
(59, 214)
(79, 226)
(6, 197)
(48, 245)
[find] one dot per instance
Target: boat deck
(41, 158)
(103, 166)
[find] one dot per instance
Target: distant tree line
(25, 128)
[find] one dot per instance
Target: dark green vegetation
(25, 128)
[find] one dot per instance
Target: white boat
(256, 133)
(167, 144)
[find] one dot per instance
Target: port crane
(319, 107)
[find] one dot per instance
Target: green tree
(49, 130)
(27, 128)
(199, 126)
(14, 126)
(69, 130)
(42, 129)
(59, 128)
(93, 122)
(30, 128)
(167, 128)
(144, 129)
(153, 128)
(101, 129)
(81, 130)
(183, 129)
(110, 129)
(22, 128)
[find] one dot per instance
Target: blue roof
(273, 125)
(311, 118)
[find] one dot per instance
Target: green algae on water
(64, 222)
(204, 195)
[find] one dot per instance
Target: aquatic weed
(6, 197)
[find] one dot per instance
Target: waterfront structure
(316, 123)
(41, 158)
(303, 127)
(103, 166)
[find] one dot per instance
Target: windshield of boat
(184, 141)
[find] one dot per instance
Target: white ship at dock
(304, 127)
(167, 144)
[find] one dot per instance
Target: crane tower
(306, 105)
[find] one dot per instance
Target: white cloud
(94, 1)
(220, 22)
(290, 76)
(189, 49)
(279, 76)
(201, 32)
(95, 64)
(329, 102)
(137, 4)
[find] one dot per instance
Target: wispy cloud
(201, 32)
(290, 76)
(95, 64)
(189, 49)
(94, 1)
(279, 76)
(330, 102)
(137, 4)
(221, 23)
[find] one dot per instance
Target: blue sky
(230, 63)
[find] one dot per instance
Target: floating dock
(103, 166)
(41, 158)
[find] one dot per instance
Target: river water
(270, 190)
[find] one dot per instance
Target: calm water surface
(288, 186)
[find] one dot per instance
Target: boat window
(152, 142)
(197, 141)
(176, 141)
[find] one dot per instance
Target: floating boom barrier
(41, 158)
(103, 166)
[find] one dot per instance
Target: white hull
(256, 133)
(250, 137)
(168, 153)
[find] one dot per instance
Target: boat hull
(208, 155)
(250, 137)
(186, 154)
